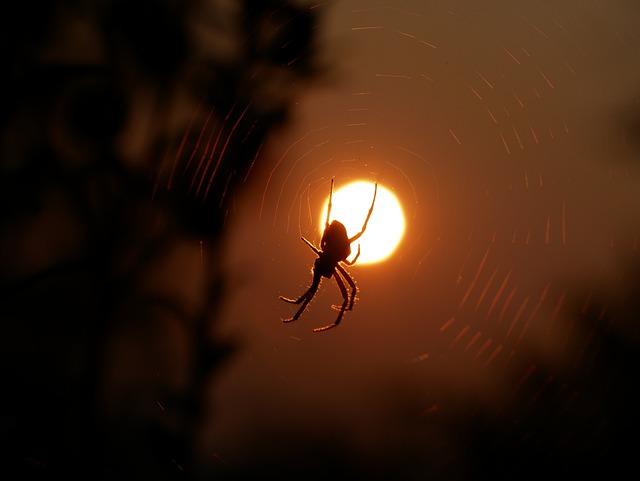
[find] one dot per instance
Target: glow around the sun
(385, 229)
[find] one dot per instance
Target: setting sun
(385, 229)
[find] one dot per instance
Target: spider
(335, 247)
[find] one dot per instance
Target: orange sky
(505, 132)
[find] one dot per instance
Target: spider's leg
(364, 226)
(298, 300)
(352, 284)
(313, 248)
(345, 296)
(326, 224)
(350, 263)
(304, 298)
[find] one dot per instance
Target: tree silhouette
(113, 220)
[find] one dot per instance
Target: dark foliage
(109, 277)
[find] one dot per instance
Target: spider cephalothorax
(335, 247)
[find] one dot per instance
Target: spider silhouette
(335, 247)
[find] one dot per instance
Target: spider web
(505, 321)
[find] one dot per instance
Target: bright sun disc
(386, 226)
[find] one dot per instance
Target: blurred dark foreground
(127, 127)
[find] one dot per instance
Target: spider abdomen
(335, 242)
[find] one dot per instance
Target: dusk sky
(506, 129)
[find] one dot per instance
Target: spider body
(335, 248)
